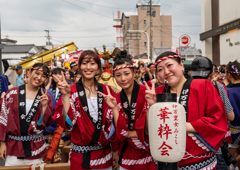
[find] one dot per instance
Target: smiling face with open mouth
(89, 68)
(37, 77)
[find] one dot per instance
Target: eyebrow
(165, 64)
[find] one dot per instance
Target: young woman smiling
(26, 112)
(206, 118)
(129, 110)
(88, 116)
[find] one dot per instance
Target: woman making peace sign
(206, 118)
(129, 110)
(26, 112)
(88, 116)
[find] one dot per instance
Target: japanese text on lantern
(164, 130)
(175, 125)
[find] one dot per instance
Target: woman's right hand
(63, 86)
(3, 150)
(3, 94)
(150, 94)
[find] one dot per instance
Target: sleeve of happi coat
(3, 119)
(110, 127)
(214, 121)
(72, 114)
(122, 124)
(47, 117)
(140, 123)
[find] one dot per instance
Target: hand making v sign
(150, 94)
(63, 86)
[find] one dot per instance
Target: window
(160, 22)
(144, 22)
(154, 13)
(128, 25)
(148, 13)
(160, 33)
(145, 44)
(161, 43)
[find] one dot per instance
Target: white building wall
(228, 11)
(230, 41)
(206, 25)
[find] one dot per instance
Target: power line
(102, 5)
(86, 9)
(66, 37)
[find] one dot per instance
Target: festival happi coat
(134, 153)
(90, 138)
(23, 133)
(205, 111)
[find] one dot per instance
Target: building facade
(220, 24)
(140, 20)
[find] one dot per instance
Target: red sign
(185, 39)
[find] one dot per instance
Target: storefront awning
(47, 55)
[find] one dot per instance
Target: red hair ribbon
(127, 66)
(167, 57)
(37, 68)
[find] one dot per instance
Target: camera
(229, 159)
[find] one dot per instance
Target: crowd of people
(108, 130)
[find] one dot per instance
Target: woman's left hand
(115, 159)
(110, 100)
(44, 98)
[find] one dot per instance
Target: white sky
(88, 23)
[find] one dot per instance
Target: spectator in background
(9, 84)
(20, 76)
(25, 80)
(77, 76)
(187, 71)
(215, 71)
(151, 72)
(73, 70)
(68, 77)
(139, 77)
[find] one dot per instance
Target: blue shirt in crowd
(19, 80)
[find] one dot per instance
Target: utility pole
(48, 37)
(151, 45)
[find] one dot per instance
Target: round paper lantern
(167, 131)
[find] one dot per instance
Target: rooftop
(8, 40)
(147, 4)
(25, 48)
(127, 14)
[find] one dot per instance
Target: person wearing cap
(202, 68)
(20, 76)
(74, 68)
